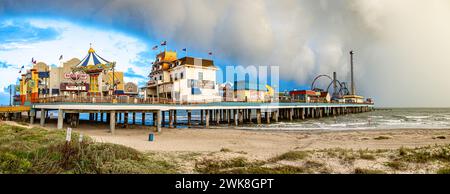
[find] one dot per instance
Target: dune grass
(40, 151)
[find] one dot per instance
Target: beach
(260, 144)
(229, 150)
(263, 144)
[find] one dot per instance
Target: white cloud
(73, 41)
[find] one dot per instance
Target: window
(181, 75)
(200, 75)
(160, 77)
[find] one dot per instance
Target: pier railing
(118, 100)
(140, 100)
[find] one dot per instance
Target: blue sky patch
(131, 74)
(19, 31)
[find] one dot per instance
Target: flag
(155, 47)
(60, 57)
(185, 49)
(20, 71)
(163, 43)
(32, 60)
(210, 53)
(22, 66)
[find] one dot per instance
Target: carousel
(94, 66)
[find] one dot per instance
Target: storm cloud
(402, 46)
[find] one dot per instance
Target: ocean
(396, 118)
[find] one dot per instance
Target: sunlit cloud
(45, 40)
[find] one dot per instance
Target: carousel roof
(92, 59)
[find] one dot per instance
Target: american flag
(164, 43)
(185, 49)
(155, 47)
(210, 53)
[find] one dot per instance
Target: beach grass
(291, 156)
(368, 171)
(40, 151)
(381, 137)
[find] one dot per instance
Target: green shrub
(368, 171)
(291, 156)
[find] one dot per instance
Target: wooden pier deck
(219, 112)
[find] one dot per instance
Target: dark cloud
(400, 45)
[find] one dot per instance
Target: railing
(150, 100)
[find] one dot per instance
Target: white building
(186, 79)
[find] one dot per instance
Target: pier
(231, 113)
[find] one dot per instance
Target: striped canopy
(92, 59)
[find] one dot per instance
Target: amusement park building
(187, 79)
(85, 77)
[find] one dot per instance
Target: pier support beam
(189, 116)
(154, 118)
(268, 117)
(277, 114)
(143, 118)
(125, 120)
(112, 122)
(291, 114)
(207, 119)
(236, 120)
(258, 116)
(42, 117)
(241, 116)
(60, 118)
(175, 117)
(170, 118)
(134, 118)
(217, 117)
(32, 116)
(201, 117)
(158, 121)
(302, 114)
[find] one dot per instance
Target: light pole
(10, 95)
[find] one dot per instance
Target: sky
(401, 46)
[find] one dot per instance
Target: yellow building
(108, 80)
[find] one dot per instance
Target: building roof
(303, 92)
(324, 94)
(196, 62)
(92, 59)
(352, 96)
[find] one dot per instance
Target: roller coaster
(338, 91)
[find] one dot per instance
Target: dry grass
(36, 150)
